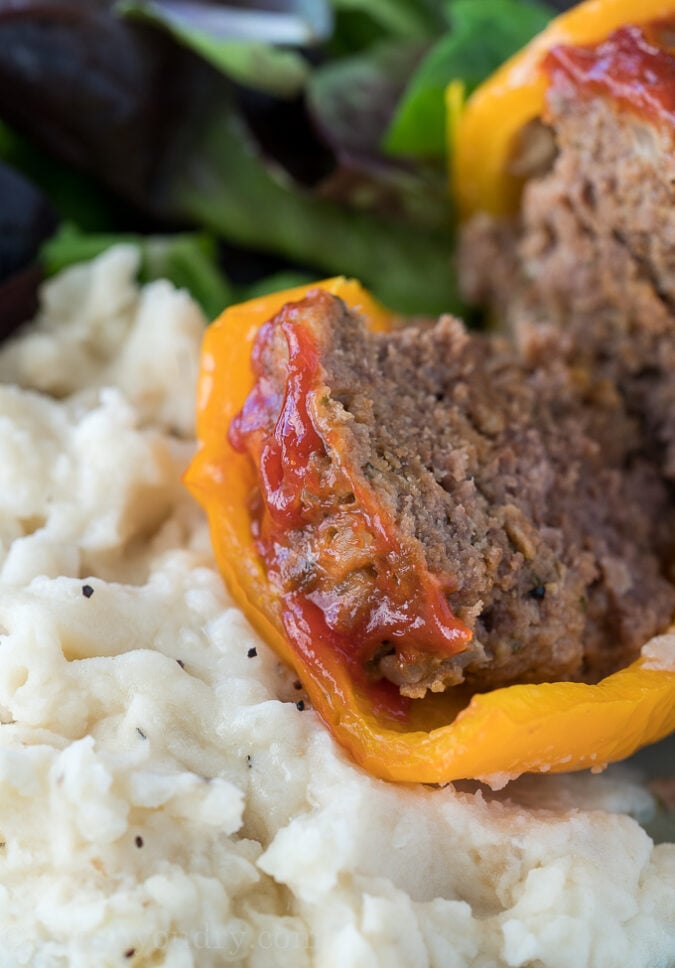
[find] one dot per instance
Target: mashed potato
(164, 800)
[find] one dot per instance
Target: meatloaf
(428, 459)
(592, 249)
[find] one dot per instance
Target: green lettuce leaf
(351, 101)
(484, 33)
(259, 66)
(410, 19)
(226, 187)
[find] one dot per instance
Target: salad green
(483, 33)
(296, 137)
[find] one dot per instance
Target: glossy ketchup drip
(285, 456)
(631, 66)
(410, 609)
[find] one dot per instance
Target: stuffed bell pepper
(461, 542)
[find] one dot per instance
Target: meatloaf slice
(520, 487)
(592, 251)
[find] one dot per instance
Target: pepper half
(554, 727)
(484, 132)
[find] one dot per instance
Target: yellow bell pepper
(483, 133)
(553, 727)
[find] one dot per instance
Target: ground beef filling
(454, 513)
(592, 251)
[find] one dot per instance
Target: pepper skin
(483, 132)
(554, 727)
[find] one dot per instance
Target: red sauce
(404, 604)
(284, 458)
(631, 66)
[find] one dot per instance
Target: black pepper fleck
(180, 663)
(87, 591)
(300, 704)
(538, 592)
(249, 761)
(130, 952)
(141, 733)
(138, 841)
(252, 653)
(297, 684)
